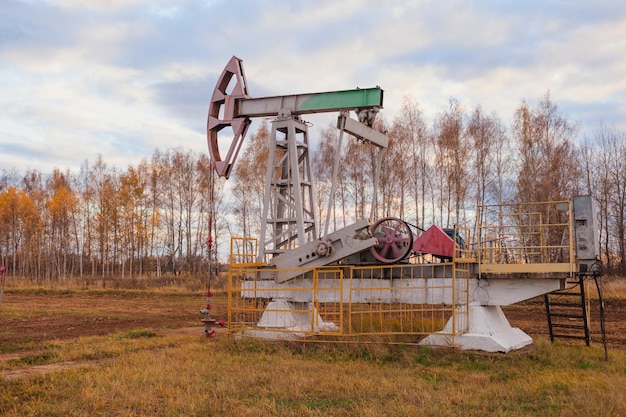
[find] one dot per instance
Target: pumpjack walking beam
(232, 106)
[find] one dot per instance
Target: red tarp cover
(435, 241)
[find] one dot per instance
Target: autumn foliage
(154, 218)
(102, 222)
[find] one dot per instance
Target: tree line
(155, 217)
(152, 218)
(441, 172)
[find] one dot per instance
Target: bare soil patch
(49, 368)
(28, 320)
(32, 318)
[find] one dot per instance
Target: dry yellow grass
(166, 282)
(143, 372)
(614, 287)
(182, 375)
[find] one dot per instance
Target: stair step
(566, 316)
(553, 304)
(560, 294)
(568, 336)
(568, 326)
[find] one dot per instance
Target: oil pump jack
(290, 237)
(480, 280)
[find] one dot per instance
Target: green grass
(41, 358)
(138, 334)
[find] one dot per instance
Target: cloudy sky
(121, 78)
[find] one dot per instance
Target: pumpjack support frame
(288, 205)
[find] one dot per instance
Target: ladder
(568, 311)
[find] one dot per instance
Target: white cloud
(121, 77)
(96, 5)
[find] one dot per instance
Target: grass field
(160, 364)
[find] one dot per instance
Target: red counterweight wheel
(395, 240)
(230, 87)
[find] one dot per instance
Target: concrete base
(489, 330)
(288, 320)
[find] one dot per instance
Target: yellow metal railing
(461, 272)
(385, 303)
(243, 251)
(526, 238)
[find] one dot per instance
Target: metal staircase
(568, 311)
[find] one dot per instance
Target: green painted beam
(331, 101)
